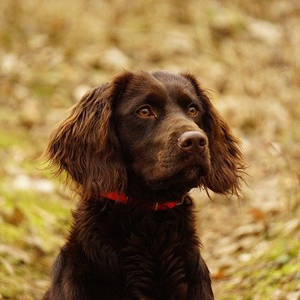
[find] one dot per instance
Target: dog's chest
(146, 254)
(154, 258)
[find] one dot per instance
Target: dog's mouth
(184, 172)
(185, 179)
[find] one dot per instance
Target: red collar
(122, 198)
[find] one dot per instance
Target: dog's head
(157, 131)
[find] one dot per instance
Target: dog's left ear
(227, 163)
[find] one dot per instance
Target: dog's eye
(192, 111)
(145, 112)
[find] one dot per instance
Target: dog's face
(157, 130)
(159, 124)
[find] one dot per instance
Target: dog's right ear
(85, 144)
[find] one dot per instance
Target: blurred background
(245, 53)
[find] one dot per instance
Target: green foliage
(33, 226)
(273, 270)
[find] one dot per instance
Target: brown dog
(134, 148)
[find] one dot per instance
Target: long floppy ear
(85, 144)
(227, 163)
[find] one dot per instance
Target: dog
(133, 149)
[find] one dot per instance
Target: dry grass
(246, 53)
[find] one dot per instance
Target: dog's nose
(192, 141)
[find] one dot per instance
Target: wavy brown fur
(82, 145)
(226, 157)
(106, 144)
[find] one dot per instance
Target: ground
(245, 53)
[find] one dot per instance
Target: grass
(275, 269)
(32, 229)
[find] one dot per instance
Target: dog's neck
(122, 198)
(149, 194)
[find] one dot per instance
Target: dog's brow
(157, 88)
(155, 99)
(184, 97)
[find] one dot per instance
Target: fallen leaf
(14, 218)
(220, 274)
(249, 229)
(257, 214)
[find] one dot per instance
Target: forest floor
(245, 53)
